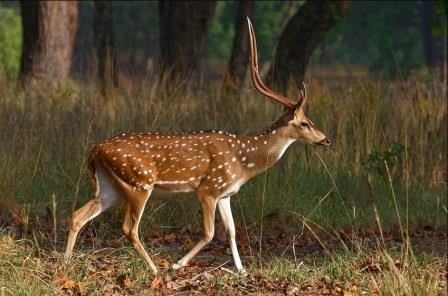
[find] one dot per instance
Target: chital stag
(213, 164)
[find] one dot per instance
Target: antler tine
(258, 83)
(254, 62)
(303, 94)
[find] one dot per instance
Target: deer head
(295, 122)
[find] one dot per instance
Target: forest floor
(367, 262)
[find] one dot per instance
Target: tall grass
(386, 168)
(45, 138)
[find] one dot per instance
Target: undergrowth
(386, 170)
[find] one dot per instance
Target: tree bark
(432, 46)
(236, 70)
(105, 51)
(184, 26)
(303, 33)
(49, 29)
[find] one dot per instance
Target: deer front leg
(229, 225)
(208, 206)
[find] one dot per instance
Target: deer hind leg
(227, 219)
(133, 214)
(105, 197)
(208, 206)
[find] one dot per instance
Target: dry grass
(45, 138)
(388, 156)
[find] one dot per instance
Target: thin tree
(235, 74)
(184, 26)
(432, 46)
(103, 37)
(302, 34)
(49, 29)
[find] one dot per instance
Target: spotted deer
(213, 164)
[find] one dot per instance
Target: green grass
(45, 138)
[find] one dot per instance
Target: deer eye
(304, 125)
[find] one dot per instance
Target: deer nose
(325, 142)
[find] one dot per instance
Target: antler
(259, 85)
(303, 95)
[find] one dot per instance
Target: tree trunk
(303, 33)
(103, 37)
(236, 72)
(432, 46)
(49, 29)
(184, 27)
(287, 15)
(325, 54)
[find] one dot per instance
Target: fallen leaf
(170, 238)
(66, 283)
(163, 263)
(125, 282)
(157, 283)
(269, 285)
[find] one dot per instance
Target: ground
(289, 262)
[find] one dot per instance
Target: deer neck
(262, 151)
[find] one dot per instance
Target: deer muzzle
(325, 142)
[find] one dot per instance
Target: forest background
(368, 215)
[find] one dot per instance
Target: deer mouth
(325, 142)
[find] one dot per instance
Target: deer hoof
(242, 273)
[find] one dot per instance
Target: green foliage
(382, 35)
(10, 40)
(393, 156)
(385, 36)
(222, 30)
(138, 25)
(440, 23)
(268, 17)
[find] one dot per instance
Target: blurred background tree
(184, 27)
(48, 35)
(387, 38)
(432, 31)
(106, 53)
(301, 35)
(235, 74)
